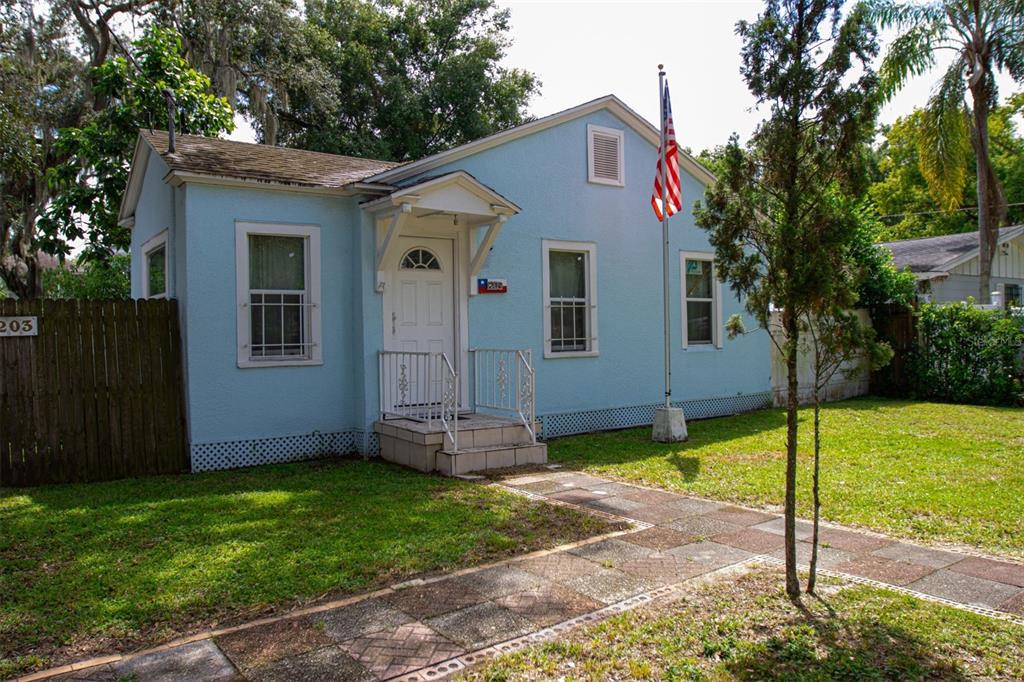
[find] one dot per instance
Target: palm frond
(911, 54)
(905, 15)
(944, 140)
(1008, 39)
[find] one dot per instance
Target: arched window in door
(420, 259)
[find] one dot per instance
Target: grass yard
(110, 566)
(748, 630)
(925, 471)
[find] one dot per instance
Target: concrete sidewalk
(428, 630)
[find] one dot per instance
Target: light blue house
(331, 304)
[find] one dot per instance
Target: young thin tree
(778, 235)
(985, 37)
(838, 342)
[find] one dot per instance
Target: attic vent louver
(604, 156)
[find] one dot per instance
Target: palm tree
(985, 36)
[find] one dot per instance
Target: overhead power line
(950, 210)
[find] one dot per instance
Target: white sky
(583, 49)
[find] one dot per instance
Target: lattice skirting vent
(245, 453)
(567, 423)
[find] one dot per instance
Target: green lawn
(924, 471)
(748, 630)
(108, 566)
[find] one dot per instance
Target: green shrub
(967, 355)
(94, 279)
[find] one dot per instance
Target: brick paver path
(443, 625)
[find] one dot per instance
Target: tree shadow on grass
(832, 647)
(689, 467)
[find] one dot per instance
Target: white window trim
(148, 247)
(312, 235)
(716, 305)
(611, 132)
(590, 249)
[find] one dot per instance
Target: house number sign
(491, 286)
(19, 326)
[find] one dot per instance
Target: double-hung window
(570, 298)
(278, 268)
(154, 279)
(701, 300)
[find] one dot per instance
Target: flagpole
(664, 237)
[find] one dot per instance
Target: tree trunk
(792, 404)
(987, 228)
(813, 573)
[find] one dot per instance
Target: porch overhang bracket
(389, 243)
(479, 256)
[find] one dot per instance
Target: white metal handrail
(504, 381)
(421, 386)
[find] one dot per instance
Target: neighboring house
(319, 293)
(947, 267)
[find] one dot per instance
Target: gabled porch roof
(469, 202)
(457, 193)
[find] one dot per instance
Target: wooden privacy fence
(95, 394)
(897, 325)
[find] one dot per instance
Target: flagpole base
(669, 425)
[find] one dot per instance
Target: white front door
(420, 316)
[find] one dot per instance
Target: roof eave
(930, 274)
(133, 188)
(176, 178)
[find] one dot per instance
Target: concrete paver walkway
(427, 630)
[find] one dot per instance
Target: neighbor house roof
(247, 161)
(940, 254)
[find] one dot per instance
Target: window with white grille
(278, 269)
(605, 165)
(570, 298)
(701, 300)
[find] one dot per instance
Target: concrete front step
(468, 460)
(484, 442)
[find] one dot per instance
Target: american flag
(674, 195)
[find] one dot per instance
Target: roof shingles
(246, 161)
(933, 254)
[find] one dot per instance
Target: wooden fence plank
(8, 409)
(176, 378)
(148, 387)
(129, 449)
(31, 463)
(93, 461)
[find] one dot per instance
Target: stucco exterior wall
(227, 403)
(155, 213)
